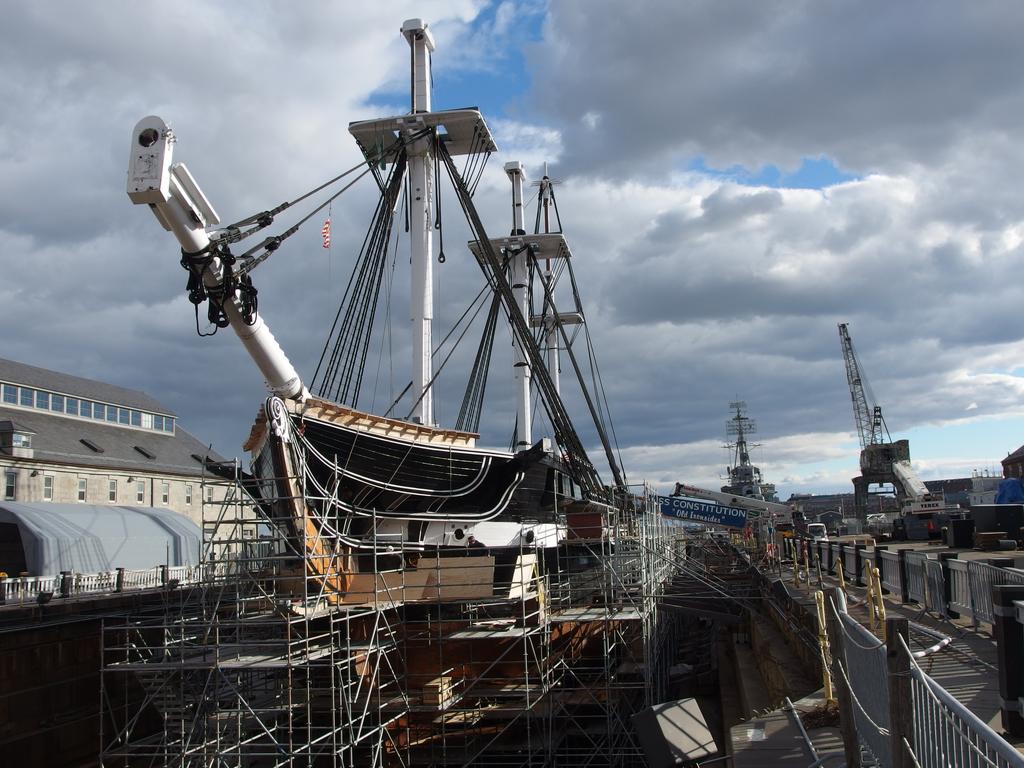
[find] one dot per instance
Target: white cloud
(531, 144)
(697, 289)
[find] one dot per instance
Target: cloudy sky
(736, 180)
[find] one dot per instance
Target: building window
(147, 421)
(83, 488)
(188, 494)
(136, 418)
(165, 493)
(72, 406)
(21, 440)
(10, 484)
(86, 410)
(123, 417)
(111, 414)
(57, 403)
(112, 490)
(43, 400)
(140, 491)
(209, 494)
(10, 394)
(47, 487)
(168, 424)
(27, 396)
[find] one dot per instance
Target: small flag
(326, 232)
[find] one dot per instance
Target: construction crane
(883, 461)
(870, 424)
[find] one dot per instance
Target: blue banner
(702, 511)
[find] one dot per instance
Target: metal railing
(944, 587)
(935, 587)
(959, 588)
(866, 675)
(946, 733)
(982, 577)
(938, 730)
(889, 567)
(915, 576)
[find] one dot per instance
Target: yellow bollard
(839, 574)
(879, 602)
(872, 612)
(826, 652)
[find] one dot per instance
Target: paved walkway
(966, 667)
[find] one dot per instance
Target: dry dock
(958, 650)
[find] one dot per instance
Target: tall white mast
(520, 284)
(463, 132)
(421, 226)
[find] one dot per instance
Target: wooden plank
(381, 425)
(434, 580)
(901, 707)
(522, 577)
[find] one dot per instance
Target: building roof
(9, 425)
(92, 539)
(1014, 457)
(59, 439)
(953, 485)
(41, 378)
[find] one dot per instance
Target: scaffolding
(519, 658)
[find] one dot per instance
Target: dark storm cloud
(698, 290)
(871, 85)
(260, 102)
(736, 291)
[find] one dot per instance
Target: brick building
(1013, 464)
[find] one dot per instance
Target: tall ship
(378, 483)
(378, 588)
(744, 478)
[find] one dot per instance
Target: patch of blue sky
(992, 439)
(496, 75)
(948, 451)
(813, 173)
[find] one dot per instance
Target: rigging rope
(234, 284)
(351, 331)
(473, 400)
(565, 432)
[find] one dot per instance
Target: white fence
(24, 590)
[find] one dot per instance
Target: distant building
(955, 491)
(1013, 465)
(983, 489)
(66, 439)
(831, 519)
(958, 491)
(814, 505)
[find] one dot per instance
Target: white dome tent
(44, 539)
